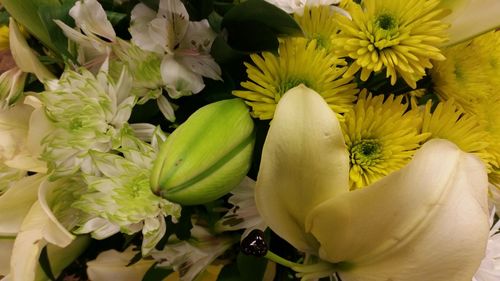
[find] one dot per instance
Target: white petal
(112, 265)
(304, 162)
(201, 64)
(16, 202)
(199, 37)
(179, 80)
(166, 108)
(141, 17)
(470, 18)
(177, 20)
(6, 246)
(428, 221)
(91, 18)
(24, 57)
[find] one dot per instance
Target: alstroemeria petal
(177, 18)
(91, 18)
(304, 162)
(470, 18)
(428, 221)
(179, 79)
(144, 33)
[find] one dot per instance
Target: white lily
(427, 221)
(470, 18)
(185, 45)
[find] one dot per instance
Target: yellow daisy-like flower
(298, 62)
(381, 137)
(448, 121)
(318, 23)
(398, 36)
(470, 72)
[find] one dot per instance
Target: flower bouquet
(249, 140)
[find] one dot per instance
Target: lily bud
(207, 156)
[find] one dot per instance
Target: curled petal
(91, 18)
(428, 221)
(179, 79)
(304, 162)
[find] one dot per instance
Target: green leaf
(254, 19)
(251, 268)
(45, 264)
(156, 273)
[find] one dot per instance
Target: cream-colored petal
(470, 18)
(304, 162)
(428, 221)
(25, 58)
(91, 18)
(6, 245)
(16, 203)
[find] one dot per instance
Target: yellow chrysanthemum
(470, 72)
(398, 36)
(381, 137)
(298, 62)
(488, 113)
(448, 121)
(318, 22)
(4, 37)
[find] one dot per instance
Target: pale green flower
(88, 112)
(121, 199)
(11, 86)
(8, 176)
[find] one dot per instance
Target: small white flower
(297, 6)
(185, 45)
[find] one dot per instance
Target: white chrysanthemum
(87, 113)
(489, 270)
(121, 200)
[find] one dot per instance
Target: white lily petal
(25, 58)
(179, 80)
(16, 203)
(112, 265)
(428, 221)
(91, 18)
(6, 245)
(470, 18)
(313, 164)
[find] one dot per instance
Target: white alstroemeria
(22, 127)
(184, 45)
(24, 57)
(489, 270)
(427, 221)
(88, 113)
(121, 199)
(11, 87)
(113, 265)
(94, 34)
(244, 213)
(297, 6)
(469, 18)
(190, 257)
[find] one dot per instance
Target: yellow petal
(428, 221)
(470, 18)
(304, 162)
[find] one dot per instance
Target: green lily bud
(207, 156)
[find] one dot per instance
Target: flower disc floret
(401, 37)
(381, 137)
(298, 62)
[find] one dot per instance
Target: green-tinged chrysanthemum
(448, 121)
(470, 72)
(401, 37)
(121, 198)
(87, 113)
(318, 23)
(298, 62)
(381, 137)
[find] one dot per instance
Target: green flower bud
(207, 155)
